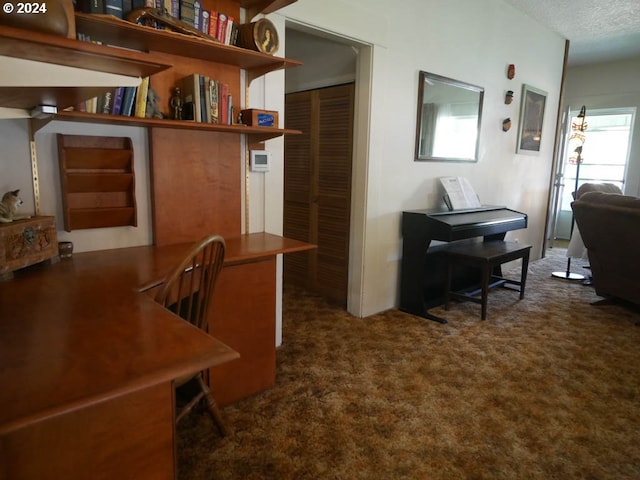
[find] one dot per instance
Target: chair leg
(486, 276)
(447, 289)
(523, 275)
(212, 407)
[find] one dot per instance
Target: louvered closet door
(318, 188)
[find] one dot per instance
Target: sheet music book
(459, 194)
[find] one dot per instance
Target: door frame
(360, 160)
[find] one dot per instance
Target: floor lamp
(576, 141)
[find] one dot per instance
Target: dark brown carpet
(546, 388)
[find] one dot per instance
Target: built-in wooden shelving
(98, 181)
(52, 49)
(125, 34)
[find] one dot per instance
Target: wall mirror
(449, 116)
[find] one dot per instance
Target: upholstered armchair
(610, 228)
(576, 248)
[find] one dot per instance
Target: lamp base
(568, 275)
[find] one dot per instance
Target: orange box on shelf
(259, 118)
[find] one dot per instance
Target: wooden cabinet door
(317, 198)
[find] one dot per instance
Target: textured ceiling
(598, 30)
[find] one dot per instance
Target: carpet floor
(547, 387)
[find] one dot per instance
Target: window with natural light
(605, 151)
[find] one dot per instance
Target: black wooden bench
(488, 256)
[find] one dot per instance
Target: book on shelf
(141, 98)
(203, 99)
(117, 101)
(228, 30)
(114, 7)
(213, 23)
(91, 105)
(221, 27)
(91, 6)
(206, 94)
(128, 101)
(190, 86)
(213, 94)
(107, 101)
(127, 6)
(187, 11)
(197, 14)
(223, 103)
(175, 8)
(204, 27)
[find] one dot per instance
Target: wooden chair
(187, 292)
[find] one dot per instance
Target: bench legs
(487, 268)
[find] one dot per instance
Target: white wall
(469, 40)
(610, 85)
(15, 172)
(475, 46)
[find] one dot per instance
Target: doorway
(322, 102)
(605, 156)
(317, 188)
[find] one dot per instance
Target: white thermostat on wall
(260, 160)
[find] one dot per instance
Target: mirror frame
(421, 95)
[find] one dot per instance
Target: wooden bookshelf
(42, 47)
(98, 181)
(115, 32)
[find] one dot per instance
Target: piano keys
(422, 279)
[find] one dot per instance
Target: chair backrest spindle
(188, 287)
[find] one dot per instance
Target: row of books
(206, 100)
(125, 101)
(215, 24)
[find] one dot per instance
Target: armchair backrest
(610, 228)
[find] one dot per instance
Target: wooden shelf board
(255, 7)
(15, 42)
(267, 132)
(54, 50)
(113, 31)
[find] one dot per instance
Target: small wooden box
(25, 242)
(260, 118)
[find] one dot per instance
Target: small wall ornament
(508, 98)
(511, 71)
(506, 124)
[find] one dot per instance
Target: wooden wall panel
(131, 436)
(196, 184)
(244, 309)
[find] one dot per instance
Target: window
(605, 152)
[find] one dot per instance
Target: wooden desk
(87, 361)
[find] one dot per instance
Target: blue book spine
(203, 99)
(197, 14)
(127, 101)
(117, 101)
(175, 8)
(114, 7)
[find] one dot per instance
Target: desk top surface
(79, 331)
